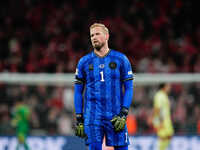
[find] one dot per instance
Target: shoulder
(118, 55)
(86, 58)
(159, 95)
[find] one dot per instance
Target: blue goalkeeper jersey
(103, 78)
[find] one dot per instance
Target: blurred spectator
(131, 123)
(5, 127)
(65, 124)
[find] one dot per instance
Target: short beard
(98, 47)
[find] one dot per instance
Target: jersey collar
(104, 55)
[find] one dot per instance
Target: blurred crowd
(50, 36)
(51, 108)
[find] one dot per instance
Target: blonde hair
(105, 29)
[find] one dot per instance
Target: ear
(107, 36)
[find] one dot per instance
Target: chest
(102, 69)
(166, 103)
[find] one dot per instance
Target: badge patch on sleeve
(112, 65)
(76, 73)
(130, 73)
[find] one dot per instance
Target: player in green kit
(20, 121)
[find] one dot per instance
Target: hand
(79, 129)
(119, 121)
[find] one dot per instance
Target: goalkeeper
(20, 122)
(106, 75)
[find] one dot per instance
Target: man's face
(98, 37)
(168, 88)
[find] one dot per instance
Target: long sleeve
(78, 98)
(128, 95)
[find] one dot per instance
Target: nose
(93, 38)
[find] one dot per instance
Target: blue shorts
(96, 133)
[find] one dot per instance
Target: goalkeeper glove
(79, 129)
(119, 121)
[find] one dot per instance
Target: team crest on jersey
(112, 65)
(91, 67)
(101, 66)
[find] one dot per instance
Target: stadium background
(50, 36)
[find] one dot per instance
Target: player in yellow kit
(162, 116)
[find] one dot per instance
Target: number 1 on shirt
(102, 78)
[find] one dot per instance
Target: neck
(102, 52)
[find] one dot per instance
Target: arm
(128, 94)
(79, 87)
(14, 121)
(78, 103)
(119, 121)
(127, 79)
(78, 98)
(157, 117)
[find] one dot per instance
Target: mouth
(95, 41)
